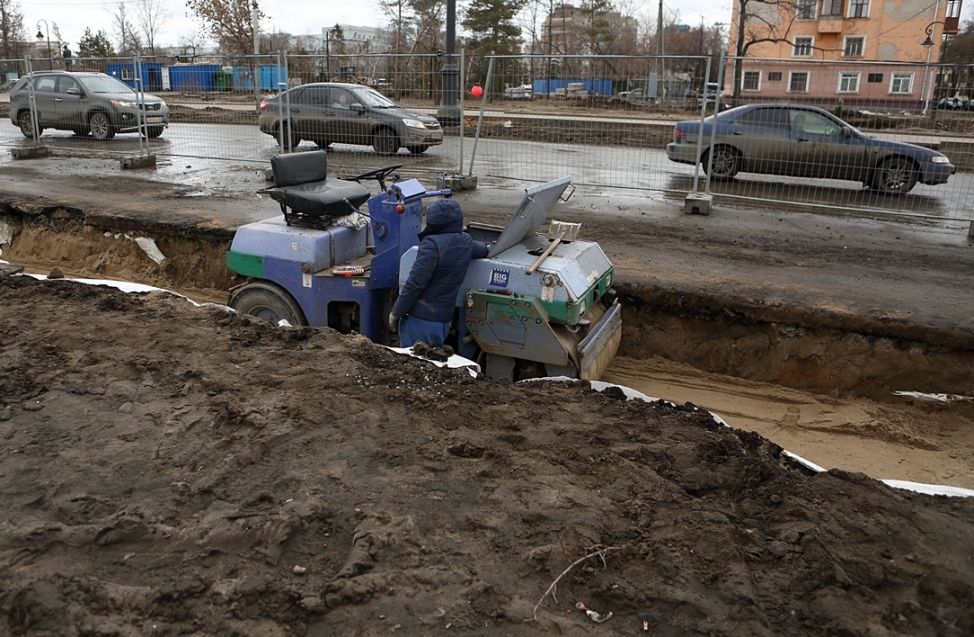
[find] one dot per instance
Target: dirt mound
(171, 470)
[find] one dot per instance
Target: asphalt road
(647, 172)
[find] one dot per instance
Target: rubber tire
(385, 141)
(288, 134)
(268, 302)
(885, 172)
(101, 126)
(25, 121)
(417, 150)
(726, 163)
(154, 131)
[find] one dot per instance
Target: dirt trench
(783, 346)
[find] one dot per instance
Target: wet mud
(216, 475)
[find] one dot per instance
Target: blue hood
(443, 217)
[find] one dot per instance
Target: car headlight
(414, 123)
(940, 159)
(123, 103)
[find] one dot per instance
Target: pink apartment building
(857, 52)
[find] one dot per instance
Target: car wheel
(896, 175)
(417, 150)
(385, 141)
(268, 302)
(290, 140)
(154, 131)
(101, 127)
(26, 123)
(725, 163)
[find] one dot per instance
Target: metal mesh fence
(604, 120)
(804, 158)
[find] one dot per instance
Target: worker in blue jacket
(426, 302)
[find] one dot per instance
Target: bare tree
(13, 34)
(130, 42)
(151, 15)
(229, 22)
(761, 21)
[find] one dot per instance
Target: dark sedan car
(332, 112)
(803, 141)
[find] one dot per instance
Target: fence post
(463, 90)
(35, 150)
(483, 104)
(713, 129)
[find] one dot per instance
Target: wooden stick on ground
(601, 553)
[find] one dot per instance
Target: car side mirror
(358, 108)
(74, 90)
(846, 132)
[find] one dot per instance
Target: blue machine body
(312, 265)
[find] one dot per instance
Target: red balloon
(477, 90)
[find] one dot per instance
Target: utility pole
(255, 67)
(449, 112)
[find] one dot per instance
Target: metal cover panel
(530, 214)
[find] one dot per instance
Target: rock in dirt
(305, 447)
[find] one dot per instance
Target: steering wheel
(379, 174)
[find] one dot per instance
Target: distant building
(847, 32)
(568, 30)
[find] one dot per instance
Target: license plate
(153, 120)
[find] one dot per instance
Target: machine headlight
(123, 103)
(940, 159)
(414, 123)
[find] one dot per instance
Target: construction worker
(424, 310)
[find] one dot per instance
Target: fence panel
(14, 134)
(604, 120)
(820, 165)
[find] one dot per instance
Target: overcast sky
(297, 17)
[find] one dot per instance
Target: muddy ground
(300, 482)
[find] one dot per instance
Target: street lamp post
(928, 44)
(40, 38)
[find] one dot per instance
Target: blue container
(128, 72)
(193, 77)
(272, 78)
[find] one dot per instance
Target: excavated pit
(793, 347)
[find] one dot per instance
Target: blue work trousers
(412, 329)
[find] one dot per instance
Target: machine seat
(305, 194)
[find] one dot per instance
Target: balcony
(830, 24)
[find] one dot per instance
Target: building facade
(853, 52)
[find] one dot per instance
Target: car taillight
(678, 135)
(263, 105)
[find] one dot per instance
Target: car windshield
(373, 98)
(103, 84)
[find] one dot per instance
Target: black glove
(393, 323)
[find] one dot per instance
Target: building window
(774, 76)
(803, 47)
(798, 82)
(901, 83)
(849, 82)
(953, 8)
(127, 73)
(832, 8)
(858, 8)
(751, 81)
(805, 10)
(853, 46)
(875, 78)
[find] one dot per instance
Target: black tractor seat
(307, 197)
